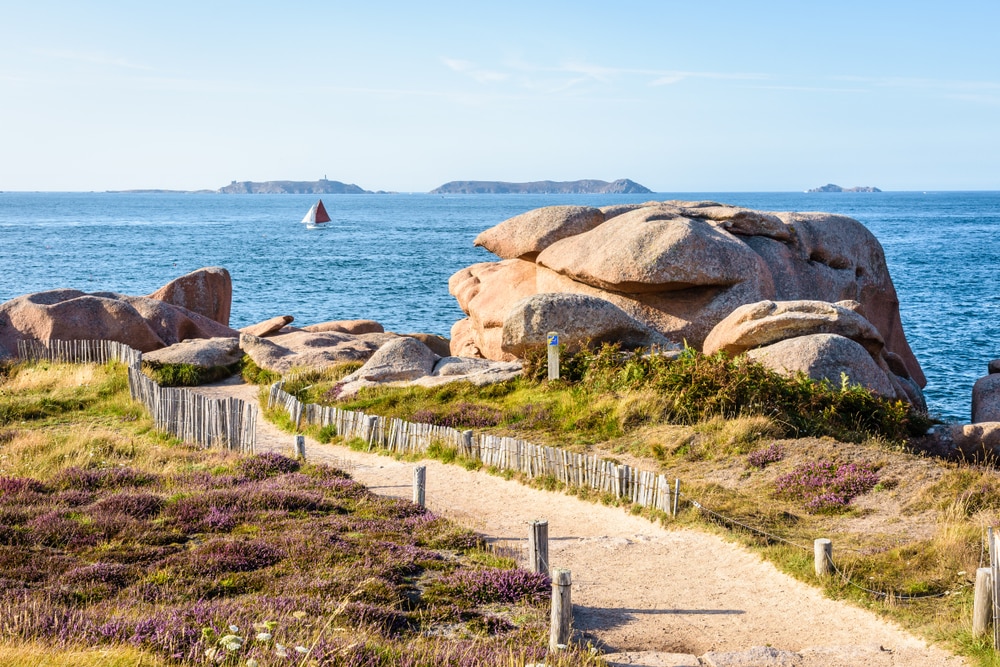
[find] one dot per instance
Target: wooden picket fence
(78, 351)
(641, 487)
(227, 423)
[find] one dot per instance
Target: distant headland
(590, 186)
(830, 187)
(320, 187)
(327, 187)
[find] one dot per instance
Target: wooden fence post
(823, 557)
(419, 484)
(677, 495)
(562, 610)
(552, 341)
(300, 447)
(982, 603)
(538, 546)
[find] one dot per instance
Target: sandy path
(636, 585)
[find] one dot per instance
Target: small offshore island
(830, 187)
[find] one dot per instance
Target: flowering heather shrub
(88, 479)
(96, 582)
(534, 416)
(324, 472)
(388, 621)
(135, 505)
(218, 521)
(491, 585)
(462, 415)
(826, 486)
(231, 556)
(73, 498)
(53, 529)
(13, 535)
(267, 464)
(761, 457)
(15, 486)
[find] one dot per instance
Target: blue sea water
(389, 257)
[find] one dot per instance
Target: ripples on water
(389, 257)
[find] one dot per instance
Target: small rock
(402, 358)
(201, 352)
(346, 326)
(758, 656)
(994, 366)
(986, 399)
(650, 659)
(974, 441)
(268, 327)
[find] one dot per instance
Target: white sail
(311, 215)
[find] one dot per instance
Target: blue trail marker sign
(552, 341)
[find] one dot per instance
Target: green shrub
(254, 374)
(186, 375)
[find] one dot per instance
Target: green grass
(187, 375)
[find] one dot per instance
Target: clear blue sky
(679, 96)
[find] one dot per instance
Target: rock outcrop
(143, 323)
(201, 352)
(826, 357)
(304, 349)
(986, 399)
(826, 341)
(406, 361)
(578, 318)
(208, 292)
(678, 267)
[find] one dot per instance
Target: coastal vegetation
(120, 545)
(771, 462)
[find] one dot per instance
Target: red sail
(321, 214)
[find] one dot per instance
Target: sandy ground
(652, 595)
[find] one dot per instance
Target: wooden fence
(78, 351)
(227, 423)
(641, 487)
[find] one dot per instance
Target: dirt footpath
(660, 596)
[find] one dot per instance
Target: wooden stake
(419, 484)
(538, 546)
(300, 447)
(677, 495)
(823, 557)
(562, 610)
(982, 603)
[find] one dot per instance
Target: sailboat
(317, 215)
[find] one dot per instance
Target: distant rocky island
(320, 187)
(830, 187)
(621, 186)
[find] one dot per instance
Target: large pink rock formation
(679, 267)
(144, 323)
